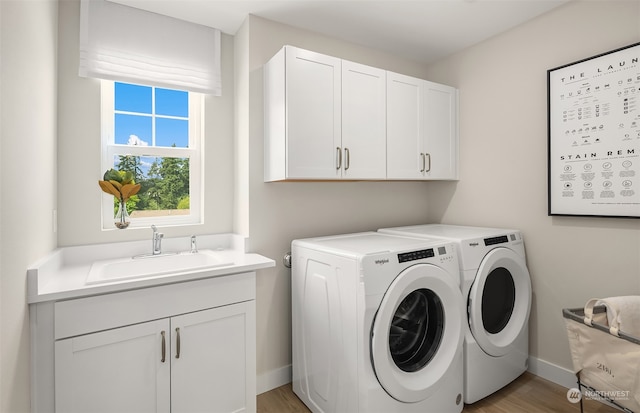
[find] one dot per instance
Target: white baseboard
(273, 378)
(556, 374)
(548, 371)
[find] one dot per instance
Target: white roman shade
(126, 44)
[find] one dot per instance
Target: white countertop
(62, 274)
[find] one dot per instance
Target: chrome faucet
(194, 247)
(156, 241)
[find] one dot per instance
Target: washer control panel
(444, 254)
(441, 252)
(416, 255)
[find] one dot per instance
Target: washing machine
(497, 289)
(377, 324)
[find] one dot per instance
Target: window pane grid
(149, 115)
(119, 149)
(163, 150)
(165, 129)
(153, 121)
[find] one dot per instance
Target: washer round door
(499, 301)
(417, 332)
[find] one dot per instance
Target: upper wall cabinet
(324, 118)
(422, 135)
(327, 118)
(364, 135)
(302, 115)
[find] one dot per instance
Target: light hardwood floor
(528, 394)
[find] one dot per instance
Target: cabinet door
(405, 157)
(213, 365)
(364, 131)
(114, 371)
(441, 131)
(312, 115)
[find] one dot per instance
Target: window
(156, 134)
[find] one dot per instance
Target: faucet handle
(156, 239)
(156, 234)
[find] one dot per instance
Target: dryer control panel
(495, 240)
(503, 239)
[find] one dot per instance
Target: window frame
(195, 154)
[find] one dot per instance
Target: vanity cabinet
(190, 363)
(422, 135)
(91, 370)
(328, 119)
(183, 347)
(324, 118)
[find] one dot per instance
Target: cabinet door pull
(423, 162)
(177, 342)
(164, 347)
(427, 168)
(347, 158)
(338, 158)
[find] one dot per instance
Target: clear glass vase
(122, 219)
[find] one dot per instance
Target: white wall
(79, 196)
(503, 181)
(49, 160)
(503, 158)
(503, 163)
(28, 35)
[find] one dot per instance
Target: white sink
(152, 266)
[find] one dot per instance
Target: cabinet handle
(338, 158)
(428, 156)
(347, 158)
(164, 347)
(177, 342)
(423, 162)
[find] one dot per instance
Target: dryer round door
(499, 301)
(417, 332)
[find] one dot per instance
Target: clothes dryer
(377, 324)
(496, 286)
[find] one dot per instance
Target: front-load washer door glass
(499, 301)
(417, 332)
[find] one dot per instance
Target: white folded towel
(623, 314)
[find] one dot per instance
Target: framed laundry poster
(594, 135)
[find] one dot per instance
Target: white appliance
(497, 288)
(378, 324)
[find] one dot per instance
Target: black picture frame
(593, 120)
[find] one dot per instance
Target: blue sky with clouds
(138, 107)
(135, 127)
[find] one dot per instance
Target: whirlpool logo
(382, 261)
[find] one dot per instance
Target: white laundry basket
(606, 365)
